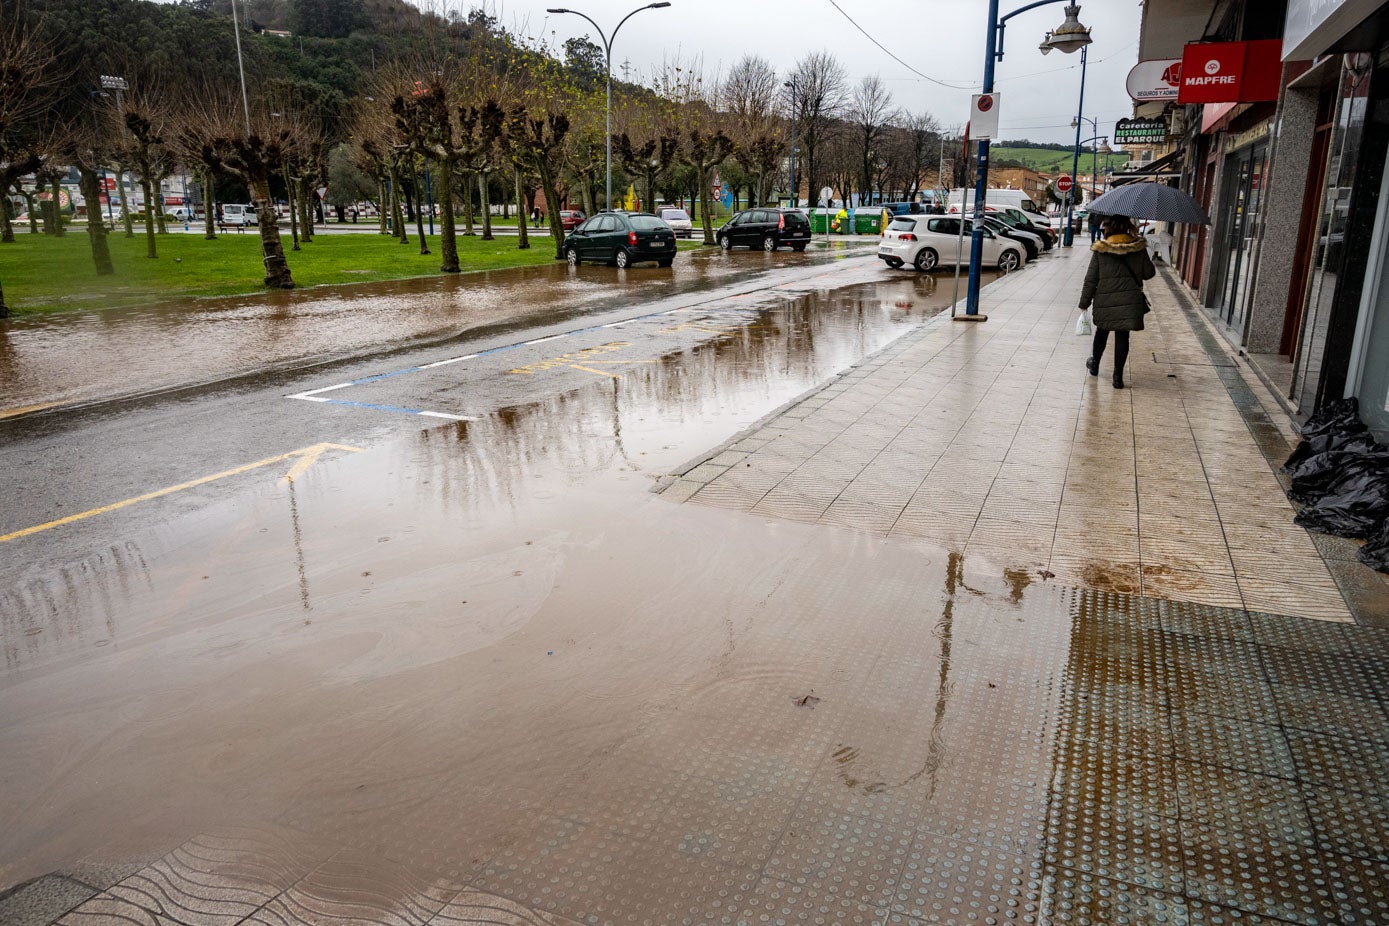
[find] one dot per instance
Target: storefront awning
(1167, 167)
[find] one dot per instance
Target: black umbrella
(1156, 201)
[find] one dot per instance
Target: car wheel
(726, 243)
(572, 255)
(894, 262)
(769, 243)
(926, 259)
(1009, 261)
(799, 248)
(623, 259)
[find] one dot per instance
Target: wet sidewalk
(906, 657)
(992, 440)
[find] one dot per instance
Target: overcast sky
(942, 39)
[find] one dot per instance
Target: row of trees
(452, 104)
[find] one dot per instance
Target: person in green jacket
(1114, 288)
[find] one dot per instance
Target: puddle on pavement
(484, 655)
(74, 356)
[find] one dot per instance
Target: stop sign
(1064, 185)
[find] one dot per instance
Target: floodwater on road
(291, 654)
(63, 358)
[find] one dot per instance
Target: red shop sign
(1231, 72)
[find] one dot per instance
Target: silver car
(678, 219)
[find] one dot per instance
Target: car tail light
(781, 221)
(907, 236)
(632, 238)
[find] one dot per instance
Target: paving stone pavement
(991, 439)
(949, 735)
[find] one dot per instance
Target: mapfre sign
(1231, 72)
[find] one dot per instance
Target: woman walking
(1114, 286)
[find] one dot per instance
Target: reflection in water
(54, 613)
(298, 546)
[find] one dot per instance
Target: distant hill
(1052, 161)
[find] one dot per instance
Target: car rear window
(646, 223)
(902, 225)
(676, 214)
(796, 219)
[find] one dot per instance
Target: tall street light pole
(794, 189)
(1068, 37)
(241, 69)
(608, 68)
(1069, 236)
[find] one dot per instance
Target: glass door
(1252, 169)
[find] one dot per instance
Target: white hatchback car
(929, 241)
(678, 220)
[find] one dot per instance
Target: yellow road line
(306, 455)
(596, 372)
(25, 409)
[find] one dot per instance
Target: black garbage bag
(1353, 505)
(1338, 416)
(1375, 552)
(1322, 435)
(1314, 476)
(1305, 460)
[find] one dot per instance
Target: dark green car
(622, 239)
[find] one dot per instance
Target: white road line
(444, 363)
(306, 397)
(449, 417)
(324, 389)
(553, 337)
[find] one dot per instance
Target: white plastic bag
(1084, 326)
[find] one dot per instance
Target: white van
(238, 214)
(1003, 199)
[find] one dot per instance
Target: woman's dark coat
(1113, 284)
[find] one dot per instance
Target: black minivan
(621, 238)
(767, 228)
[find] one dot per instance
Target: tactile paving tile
(779, 902)
(948, 881)
(1350, 823)
(1333, 672)
(1254, 806)
(1204, 621)
(856, 857)
(1134, 848)
(1362, 890)
(1104, 717)
(1340, 762)
(1231, 742)
(478, 908)
(1201, 913)
(1270, 879)
(1071, 898)
(1299, 633)
(1093, 777)
(1332, 712)
(361, 889)
(1227, 694)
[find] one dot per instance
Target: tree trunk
(209, 208)
(150, 249)
(34, 214)
(160, 224)
(705, 201)
(277, 275)
(382, 200)
(6, 227)
(96, 230)
(448, 232)
(468, 205)
(397, 214)
(55, 191)
(4, 309)
(127, 217)
(523, 241)
(590, 204)
(419, 212)
(307, 196)
(293, 213)
(552, 200)
(484, 197)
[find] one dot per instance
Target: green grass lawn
(1055, 162)
(43, 274)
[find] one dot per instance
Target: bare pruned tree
(821, 95)
(870, 112)
(749, 98)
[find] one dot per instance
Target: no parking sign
(983, 115)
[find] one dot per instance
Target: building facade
(1288, 160)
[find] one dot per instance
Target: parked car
(678, 219)
(1032, 244)
(569, 219)
(767, 228)
(1021, 220)
(927, 241)
(620, 238)
(237, 214)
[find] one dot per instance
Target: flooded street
(430, 637)
(76, 357)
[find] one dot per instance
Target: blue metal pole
(981, 178)
(1069, 237)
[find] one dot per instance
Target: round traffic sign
(826, 195)
(1064, 185)
(986, 103)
